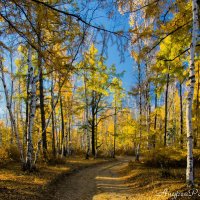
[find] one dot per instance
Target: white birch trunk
(190, 170)
(115, 127)
(32, 107)
(12, 119)
(86, 118)
(137, 150)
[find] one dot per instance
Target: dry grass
(149, 184)
(18, 185)
(143, 182)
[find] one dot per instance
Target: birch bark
(86, 117)
(166, 108)
(190, 167)
(137, 151)
(32, 107)
(12, 119)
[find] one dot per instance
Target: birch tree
(190, 87)
(32, 109)
(11, 115)
(86, 112)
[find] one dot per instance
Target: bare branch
(142, 7)
(79, 18)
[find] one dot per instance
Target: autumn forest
(99, 99)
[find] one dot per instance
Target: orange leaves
(135, 55)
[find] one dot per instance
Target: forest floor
(16, 184)
(122, 180)
(80, 179)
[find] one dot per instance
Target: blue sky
(115, 23)
(126, 65)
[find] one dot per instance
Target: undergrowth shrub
(165, 158)
(125, 151)
(9, 153)
(56, 160)
(3, 155)
(131, 164)
(169, 157)
(13, 153)
(196, 154)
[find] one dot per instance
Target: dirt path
(102, 182)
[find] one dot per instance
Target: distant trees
(168, 26)
(98, 84)
(46, 46)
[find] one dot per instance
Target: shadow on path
(95, 183)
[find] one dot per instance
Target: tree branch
(168, 34)
(142, 7)
(79, 18)
(178, 54)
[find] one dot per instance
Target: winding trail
(102, 182)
